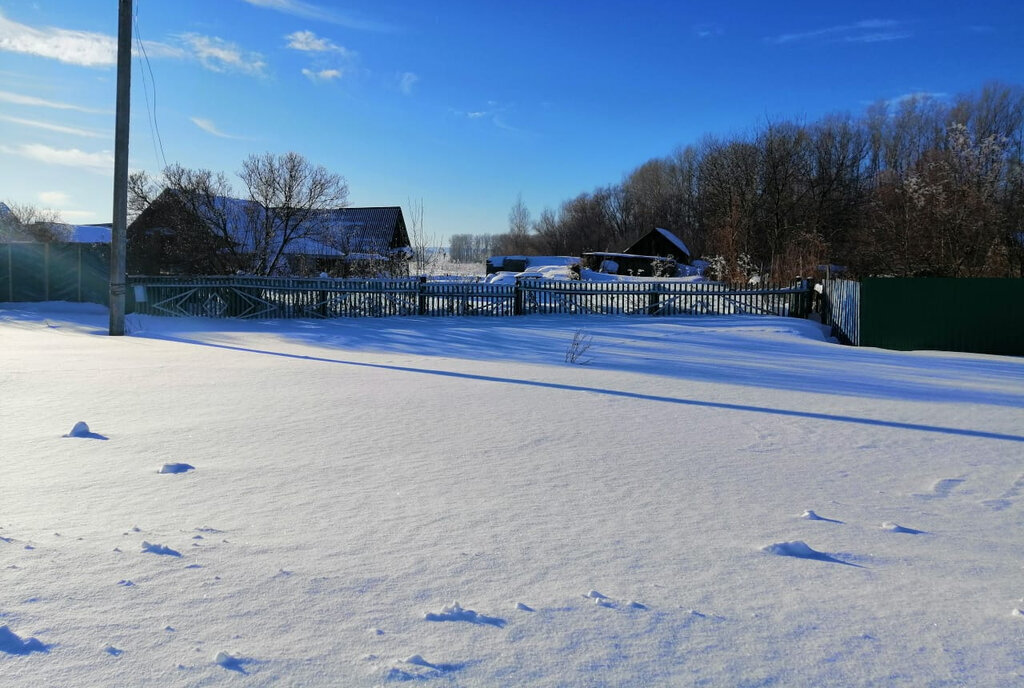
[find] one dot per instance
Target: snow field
(447, 501)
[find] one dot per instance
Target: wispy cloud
(322, 75)
(867, 31)
(32, 101)
(406, 81)
(918, 96)
(53, 198)
(219, 55)
(73, 47)
(307, 10)
(99, 163)
(494, 113)
(82, 48)
(210, 128)
(704, 31)
(307, 41)
(60, 129)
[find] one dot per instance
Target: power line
(154, 126)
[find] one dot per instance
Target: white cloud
(322, 75)
(100, 163)
(19, 99)
(406, 81)
(53, 198)
(307, 10)
(210, 128)
(74, 131)
(867, 31)
(707, 31)
(307, 41)
(219, 55)
(73, 47)
(918, 96)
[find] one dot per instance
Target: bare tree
(196, 205)
(519, 223)
(424, 246)
(288, 197)
(26, 222)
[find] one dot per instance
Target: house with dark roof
(659, 253)
(194, 235)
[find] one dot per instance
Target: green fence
(55, 272)
(972, 315)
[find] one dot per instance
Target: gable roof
(660, 242)
(378, 231)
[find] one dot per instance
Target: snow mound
(455, 612)
(800, 550)
(154, 548)
(81, 429)
(897, 528)
(229, 662)
(13, 644)
(794, 548)
(416, 668)
(810, 515)
(524, 607)
(176, 468)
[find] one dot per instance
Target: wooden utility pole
(118, 235)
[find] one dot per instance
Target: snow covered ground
(708, 501)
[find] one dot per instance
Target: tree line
(917, 187)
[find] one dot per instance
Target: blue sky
(463, 105)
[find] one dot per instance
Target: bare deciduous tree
(26, 222)
(287, 195)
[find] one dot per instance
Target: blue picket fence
(281, 297)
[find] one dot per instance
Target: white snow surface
(354, 477)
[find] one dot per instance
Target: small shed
(663, 243)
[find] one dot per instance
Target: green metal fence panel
(944, 314)
(28, 272)
(6, 281)
(94, 273)
(54, 272)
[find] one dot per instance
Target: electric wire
(154, 125)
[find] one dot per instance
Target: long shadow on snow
(691, 348)
(617, 393)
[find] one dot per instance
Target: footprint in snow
(941, 489)
(176, 468)
(800, 550)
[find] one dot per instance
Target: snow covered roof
(90, 234)
(673, 239)
(378, 231)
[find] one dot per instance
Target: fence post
(421, 296)
(517, 300)
(653, 298)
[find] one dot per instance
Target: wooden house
(220, 235)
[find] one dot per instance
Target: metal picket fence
(280, 297)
